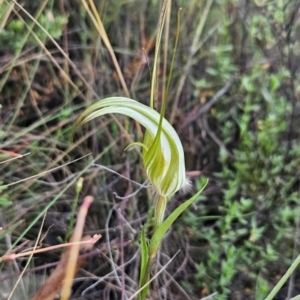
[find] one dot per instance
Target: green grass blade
(160, 26)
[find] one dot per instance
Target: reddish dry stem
(12, 256)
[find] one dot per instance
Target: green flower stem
(160, 209)
(159, 212)
(284, 278)
(149, 252)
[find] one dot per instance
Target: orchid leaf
(144, 261)
(165, 225)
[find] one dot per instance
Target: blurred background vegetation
(234, 101)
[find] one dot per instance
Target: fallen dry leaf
(54, 283)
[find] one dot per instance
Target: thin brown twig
(12, 256)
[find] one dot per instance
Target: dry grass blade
(16, 156)
(61, 278)
(23, 271)
(54, 283)
(43, 173)
(66, 76)
(74, 250)
(95, 17)
(7, 15)
(193, 50)
(84, 244)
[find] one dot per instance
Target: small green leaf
(144, 262)
(4, 202)
(144, 254)
(165, 225)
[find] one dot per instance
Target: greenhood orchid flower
(163, 155)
